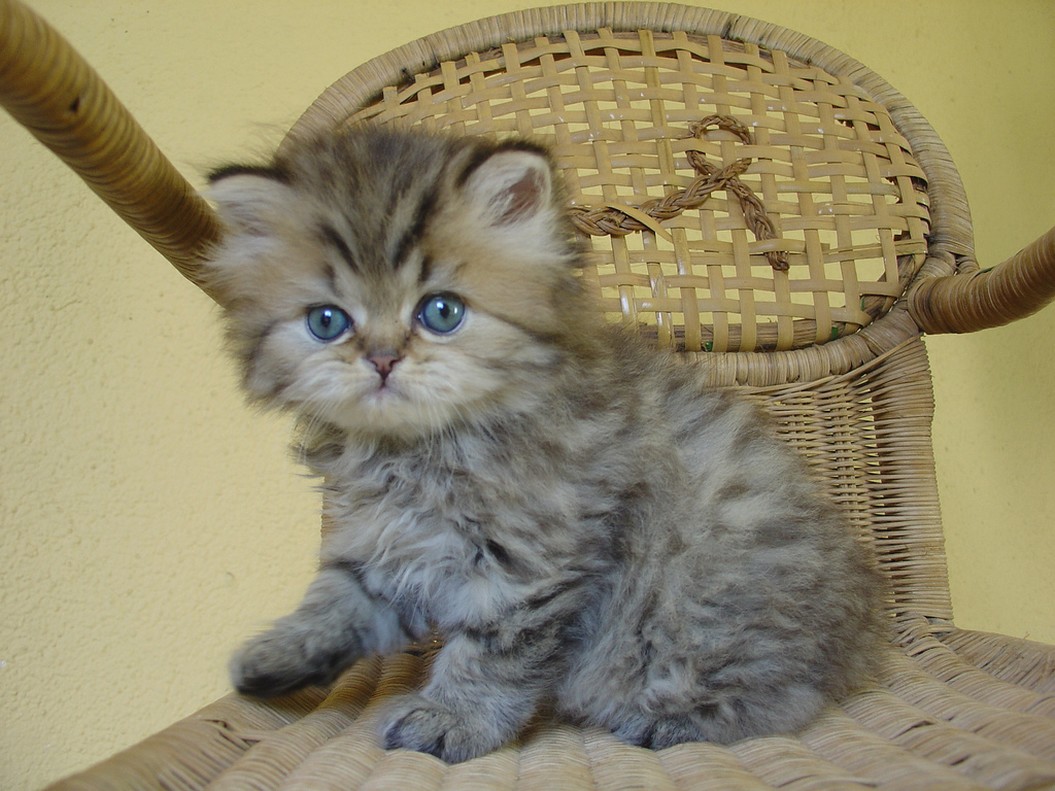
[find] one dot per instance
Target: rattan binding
(868, 209)
(63, 102)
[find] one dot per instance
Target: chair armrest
(986, 298)
(53, 92)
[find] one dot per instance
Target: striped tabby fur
(586, 526)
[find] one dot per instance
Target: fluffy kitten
(582, 522)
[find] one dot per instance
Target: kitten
(584, 524)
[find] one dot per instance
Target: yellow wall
(150, 521)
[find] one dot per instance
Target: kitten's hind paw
(657, 734)
(414, 722)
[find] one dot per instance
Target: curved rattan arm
(988, 298)
(60, 99)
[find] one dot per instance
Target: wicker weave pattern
(835, 176)
(865, 434)
(938, 720)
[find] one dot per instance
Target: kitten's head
(396, 283)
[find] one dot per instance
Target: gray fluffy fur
(586, 526)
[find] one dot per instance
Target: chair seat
(953, 709)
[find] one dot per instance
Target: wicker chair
(758, 201)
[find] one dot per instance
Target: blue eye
(327, 322)
(442, 313)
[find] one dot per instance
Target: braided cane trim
(614, 221)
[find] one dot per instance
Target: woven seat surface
(953, 710)
(767, 207)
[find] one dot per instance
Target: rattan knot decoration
(617, 221)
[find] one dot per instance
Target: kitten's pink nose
(383, 363)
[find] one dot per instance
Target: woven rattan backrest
(758, 206)
(844, 200)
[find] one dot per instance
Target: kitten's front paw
(285, 660)
(414, 722)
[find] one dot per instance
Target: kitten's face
(394, 285)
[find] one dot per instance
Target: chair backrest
(618, 92)
(760, 203)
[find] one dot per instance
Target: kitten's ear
(250, 200)
(511, 185)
